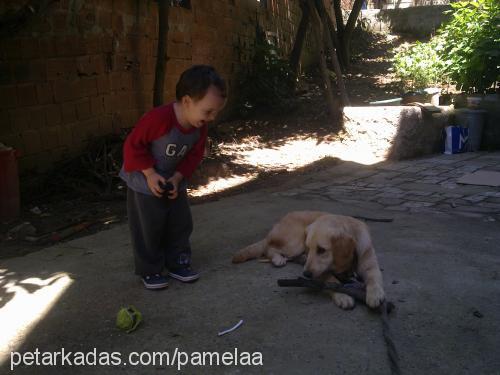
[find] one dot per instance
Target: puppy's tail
(250, 252)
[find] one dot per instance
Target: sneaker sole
(184, 279)
(155, 286)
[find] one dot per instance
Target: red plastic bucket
(9, 185)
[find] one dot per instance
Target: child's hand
(172, 194)
(153, 180)
(174, 180)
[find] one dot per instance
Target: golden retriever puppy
(337, 245)
(285, 241)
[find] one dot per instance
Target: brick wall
(85, 68)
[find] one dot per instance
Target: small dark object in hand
(167, 188)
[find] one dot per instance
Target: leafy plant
(471, 52)
(270, 82)
(465, 50)
(420, 65)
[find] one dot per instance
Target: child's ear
(186, 100)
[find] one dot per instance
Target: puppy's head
(328, 249)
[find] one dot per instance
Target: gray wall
(421, 21)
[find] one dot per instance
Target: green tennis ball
(128, 318)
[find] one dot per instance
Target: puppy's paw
(374, 295)
(278, 260)
(343, 301)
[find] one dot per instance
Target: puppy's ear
(344, 250)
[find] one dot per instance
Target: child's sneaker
(156, 281)
(184, 274)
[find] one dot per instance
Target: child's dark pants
(160, 230)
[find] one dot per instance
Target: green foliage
(465, 50)
(270, 82)
(472, 44)
(420, 66)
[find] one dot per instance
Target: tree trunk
(349, 27)
(161, 56)
(333, 103)
(299, 39)
(339, 20)
(351, 21)
(323, 16)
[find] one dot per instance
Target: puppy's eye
(320, 250)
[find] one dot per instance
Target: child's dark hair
(196, 80)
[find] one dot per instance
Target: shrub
(471, 52)
(420, 66)
(270, 82)
(465, 50)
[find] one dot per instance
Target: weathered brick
(61, 68)
(53, 115)
(87, 86)
(108, 103)
(6, 75)
(116, 81)
(32, 141)
(128, 81)
(26, 95)
(83, 109)
(103, 85)
(97, 64)
(117, 23)
(97, 105)
(68, 112)
(83, 66)
(68, 45)
(10, 48)
(20, 120)
(64, 135)
(87, 18)
(78, 134)
(5, 124)
(8, 96)
(104, 19)
(37, 118)
(29, 71)
(44, 93)
(47, 47)
(64, 90)
(91, 44)
(49, 137)
(123, 62)
(60, 21)
(107, 44)
(30, 48)
(90, 128)
(106, 124)
(147, 82)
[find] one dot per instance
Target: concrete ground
(440, 260)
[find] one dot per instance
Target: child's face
(204, 110)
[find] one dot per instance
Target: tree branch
(299, 38)
(351, 21)
(161, 56)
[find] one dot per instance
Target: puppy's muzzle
(307, 274)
